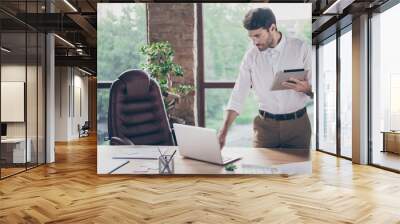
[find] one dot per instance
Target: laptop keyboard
(225, 158)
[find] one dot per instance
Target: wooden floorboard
(70, 191)
(387, 159)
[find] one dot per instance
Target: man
(282, 120)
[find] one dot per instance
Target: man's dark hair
(259, 18)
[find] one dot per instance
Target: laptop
(3, 131)
(200, 144)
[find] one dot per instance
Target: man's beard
(262, 47)
(266, 45)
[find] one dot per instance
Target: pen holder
(166, 164)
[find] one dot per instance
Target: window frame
(333, 37)
(106, 85)
(323, 37)
(28, 29)
(381, 9)
(203, 85)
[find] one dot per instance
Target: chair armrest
(120, 141)
(174, 137)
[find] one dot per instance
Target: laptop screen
(3, 129)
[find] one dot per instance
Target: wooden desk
(391, 141)
(254, 161)
(16, 153)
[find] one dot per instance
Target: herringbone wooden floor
(69, 191)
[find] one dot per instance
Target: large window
(327, 96)
(224, 43)
(121, 31)
(240, 133)
(385, 89)
(346, 93)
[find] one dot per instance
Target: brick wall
(175, 23)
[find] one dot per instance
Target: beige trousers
(270, 133)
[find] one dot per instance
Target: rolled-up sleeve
(242, 87)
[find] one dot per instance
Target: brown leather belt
(282, 117)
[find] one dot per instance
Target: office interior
(45, 93)
(124, 119)
(356, 116)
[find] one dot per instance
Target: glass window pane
(311, 108)
(327, 97)
(32, 98)
(241, 131)
(121, 31)
(41, 99)
(385, 84)
(102, 115)
(32, 89)
(223, 29)
(13, 83)
(22, 73)
(346, 94)
(117, 53)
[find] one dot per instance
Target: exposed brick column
(175, 23)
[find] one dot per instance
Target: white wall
(61, 103)
(33, 126)
(80, 89)
(16, 73)
(70, 84)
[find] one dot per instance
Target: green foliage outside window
(225, 43)
(161, 67)
(121, 31)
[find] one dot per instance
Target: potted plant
(161, 67)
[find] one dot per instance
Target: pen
(118, 167)
(172, 155)
(149, 158)
(168, 161)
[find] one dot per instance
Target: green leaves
(160, 60)
(183, 89)
(230, 167)
(161, 67)
(177, 70)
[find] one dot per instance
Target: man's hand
(222, 138)
(298, 85)
(229, 118)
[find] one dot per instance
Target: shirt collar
(277, 49)
(280, 45)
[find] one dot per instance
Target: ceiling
(331, 15)
(76, 20)
(76, 25)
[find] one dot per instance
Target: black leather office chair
(136, 112)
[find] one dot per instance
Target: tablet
(285, 75)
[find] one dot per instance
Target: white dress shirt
(258, 69)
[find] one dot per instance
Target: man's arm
(230, 117)
(303, 86)
(238, 96)
(300, 86)
(310, 93)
